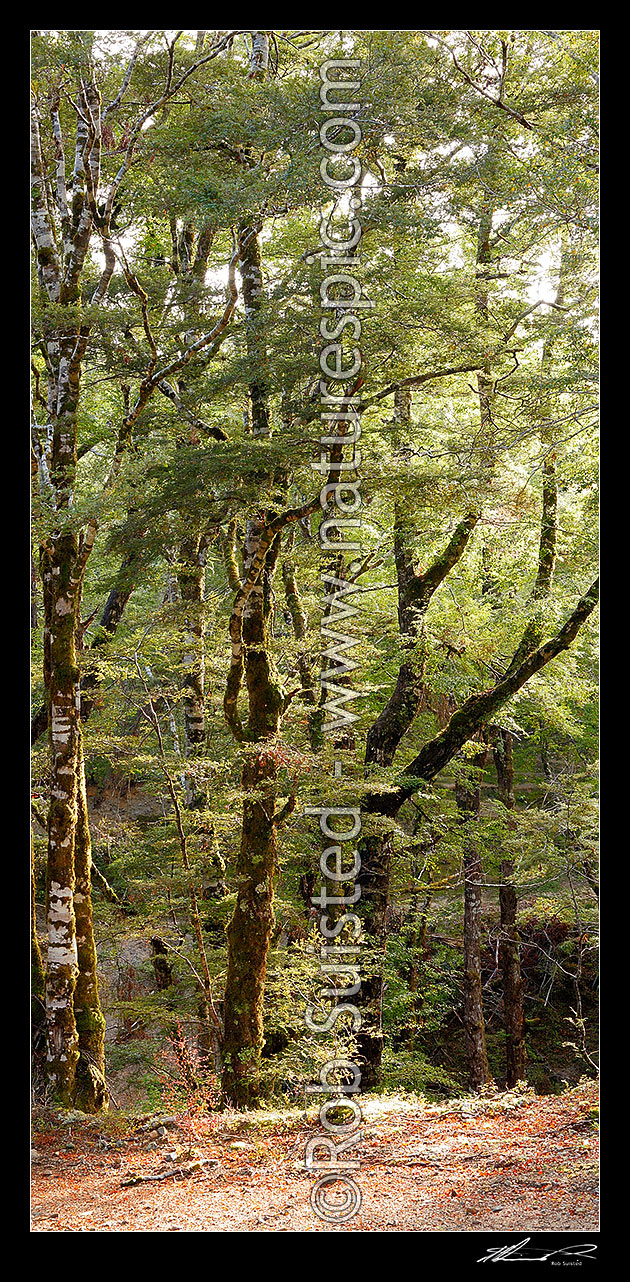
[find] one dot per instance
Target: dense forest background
(177, 201)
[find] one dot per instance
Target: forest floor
(502, 1162)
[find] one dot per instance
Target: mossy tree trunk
(74, 1022)
(468, 797)
(249, 931)
(62, 601)
(61, 254)
(249, 934)
(91, 1093)
(253, 301)
(38, 980)
(374, 877)
(110, 618)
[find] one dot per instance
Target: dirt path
(506, 1163)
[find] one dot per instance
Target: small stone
(35, 1156)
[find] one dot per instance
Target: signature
(585, 1250)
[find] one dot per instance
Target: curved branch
(479, 708)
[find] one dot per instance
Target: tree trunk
(253, 299)
(74, 1022)
(374, 877)
(33, 593)
(62, 596)
(474, 1024)
(509, 962)
(91, 1090)
(191, 579)
(112, 614)
(509, 953)
(38, 982)
(249, 931)
(468, 797)
(249, 934)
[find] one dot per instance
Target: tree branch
(479, 708)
